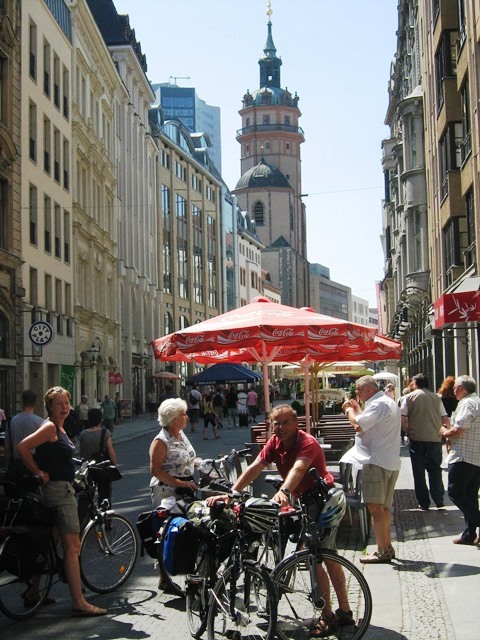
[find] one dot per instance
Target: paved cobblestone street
(429, 592)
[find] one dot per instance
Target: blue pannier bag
(180, 546)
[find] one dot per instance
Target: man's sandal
(323, 627)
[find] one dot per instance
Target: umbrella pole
(306, 366)
(266, 394)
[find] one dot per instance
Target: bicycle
(108, 550)
(108, 544)
(301, 600)
(223, 469)
(242, 604)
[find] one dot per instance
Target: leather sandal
(323, 627)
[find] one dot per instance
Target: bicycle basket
(260, 515)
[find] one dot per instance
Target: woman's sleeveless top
(56, 458)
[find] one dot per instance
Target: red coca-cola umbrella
(264, 332)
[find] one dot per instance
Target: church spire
(270, 63)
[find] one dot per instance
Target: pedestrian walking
(95, 443)
(252, 404)
(109, 409)
(194, 407)
(464, 457)
(209, 417)
(423, 414)
(231, 398)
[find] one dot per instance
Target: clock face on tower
(41, 333)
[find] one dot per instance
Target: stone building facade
(11, 283)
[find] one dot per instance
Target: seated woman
(53, 463)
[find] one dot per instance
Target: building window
(180, 206)
(286, 120)
(182, 268)
(4, 336)
(3, 215)
(33, 51)
(56, 154)
(445, 64)
(66, 237)
(66, 92)
(56, 81)
(259, 214)
(455, 239)
(180, 171)
(471, 242)
(462, 24)
(46, 68)
(165, 159)
(66, 164)
(210, 193)
(266, 119)
(466, 145)
(47, 224)
(212, 261)
(58, 231)
(450, 154)
(196, 182)
(33, 208)
(32, 131)
(48, 292)
(46, 145)
(33, 287)
(3, 88)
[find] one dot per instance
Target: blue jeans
(463, 486)
(426, 457)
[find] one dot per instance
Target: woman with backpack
(95, 443)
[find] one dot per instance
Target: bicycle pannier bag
(180, 546)
(149, 527)
(23, 553)
(25, 509)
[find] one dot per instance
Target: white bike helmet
(260, 515)
(334, 508)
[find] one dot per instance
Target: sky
(336, 55)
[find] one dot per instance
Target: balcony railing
(269, 127)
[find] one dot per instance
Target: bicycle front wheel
(197, 592)
(22, 597)
(243, 606)
(300, 604)
(108, 553)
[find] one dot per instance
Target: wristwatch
(285, 491)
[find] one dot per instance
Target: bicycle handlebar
(319, 481)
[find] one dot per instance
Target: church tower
(270, 187)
